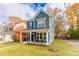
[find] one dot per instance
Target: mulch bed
(53, 50)
(35, 44)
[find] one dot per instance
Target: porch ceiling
(36, 30)
(1, 33)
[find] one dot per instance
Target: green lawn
(59, 48)
(7, 44)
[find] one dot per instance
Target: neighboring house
(1, 28)
(19, 27)
(5, 28)
(8, 28)
(11, 23)
(15, 20)
(40, 29)
(6, 36)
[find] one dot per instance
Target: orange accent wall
(18, 36)
(19, 28)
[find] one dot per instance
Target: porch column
(3, 36)
(47, 38)
(20, 37)
(30, 37)
(39, 36)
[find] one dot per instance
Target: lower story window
(27, 36)
(44, 35)
(37, 35)
(41, 36)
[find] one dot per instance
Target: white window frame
(41, 21)
(30, 24)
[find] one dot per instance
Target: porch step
(33, 43)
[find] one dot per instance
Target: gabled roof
(29, 20)
(37, 13)
(41, 10)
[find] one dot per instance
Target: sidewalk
(74, 43)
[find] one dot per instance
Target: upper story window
(6, 29)
(41, 23)
(30, 25)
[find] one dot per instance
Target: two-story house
(40, 29)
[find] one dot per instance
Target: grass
(7, 44)
(58, 48)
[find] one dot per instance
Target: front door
(28, 36)
(33, 36)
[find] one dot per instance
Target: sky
(25, 10)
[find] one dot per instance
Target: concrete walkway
(74, 43)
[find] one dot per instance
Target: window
(30, 25)
(41, 22)
(37, 35)
(40, 35)
(44, 35)
(27, 36)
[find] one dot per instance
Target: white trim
(51, 29)
(3, 37)
(47, 38)
(39, 12)
(30, 37)
(20, 37)
(40, 22)
(39, 35)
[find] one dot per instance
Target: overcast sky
(25, 11)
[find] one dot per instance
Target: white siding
(8, 38)
(51, 29)
(1, 36)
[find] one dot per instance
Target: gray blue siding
(30, 26)
(34, 23)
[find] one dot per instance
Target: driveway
(74, 43)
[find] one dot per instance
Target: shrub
(73, 34)
(13, 37)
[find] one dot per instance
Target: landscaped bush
(13, 37)
(73, 34)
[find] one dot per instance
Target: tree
(73, 34)
(73, 15)
(59, 21)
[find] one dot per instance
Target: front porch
(35, 36)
